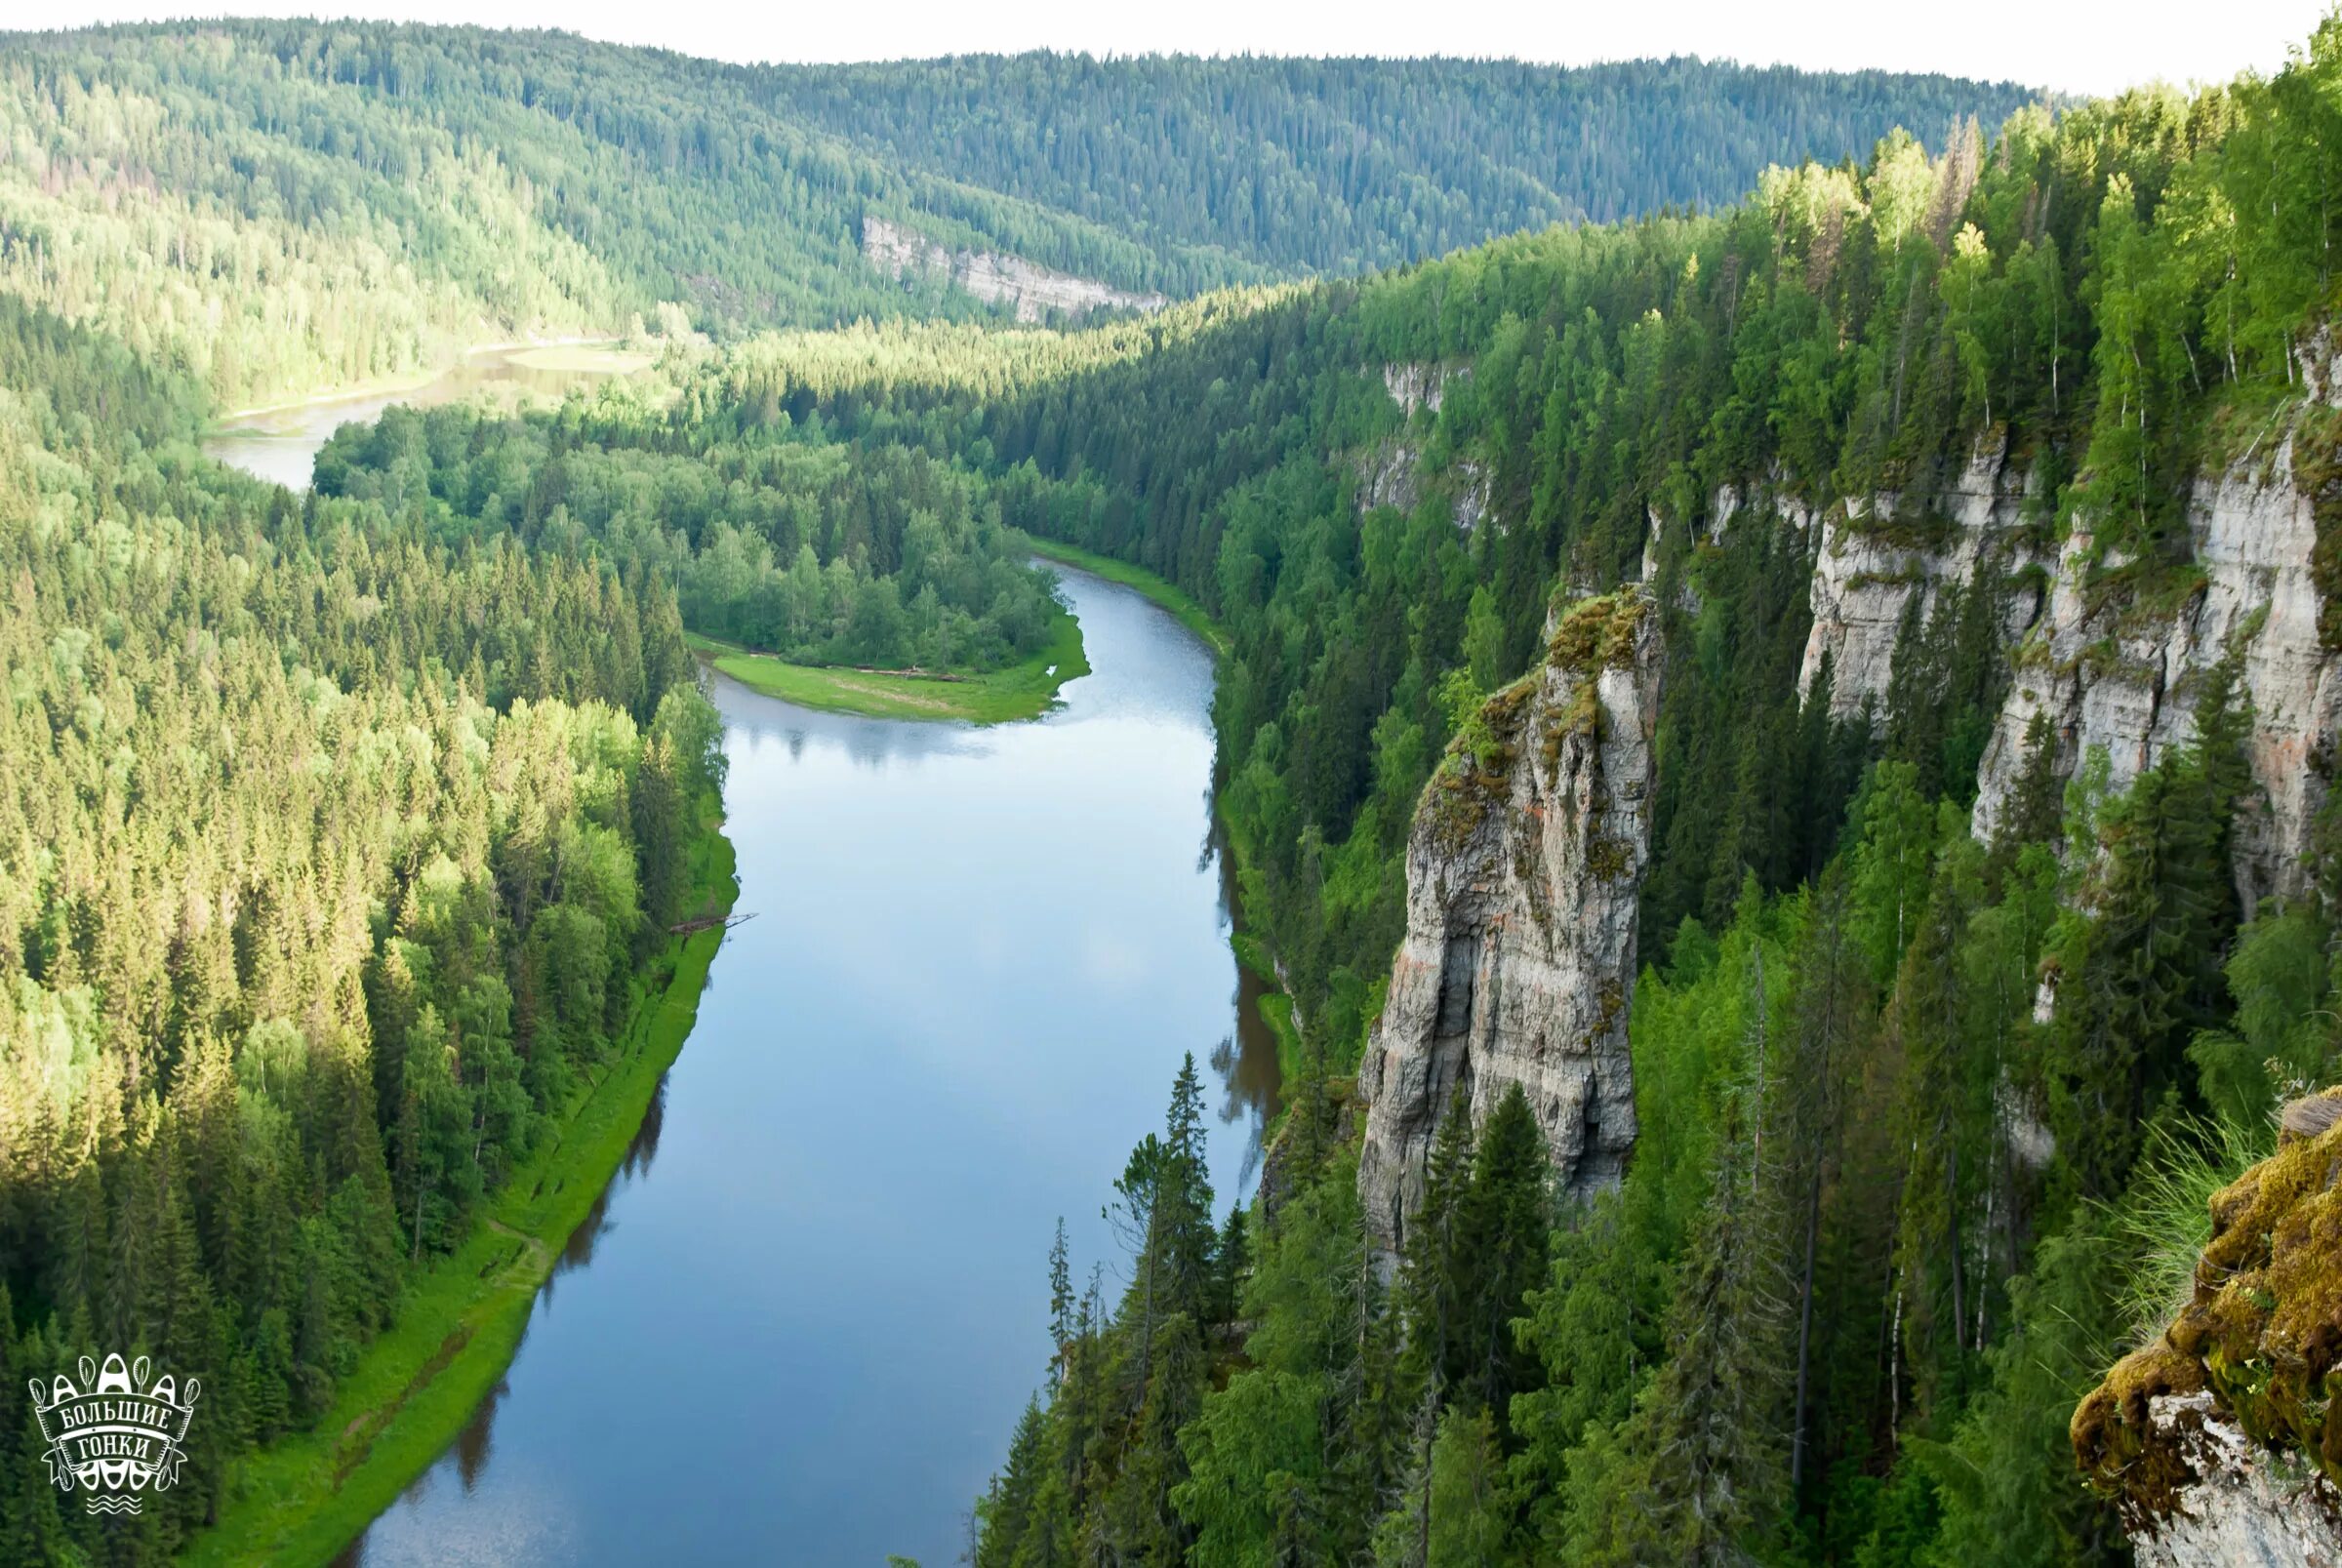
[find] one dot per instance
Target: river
(281, 443)
(802, 1323)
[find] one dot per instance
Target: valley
(1166, 810)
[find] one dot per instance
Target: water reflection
(756, 722)
(978, 957)
(475, 1445)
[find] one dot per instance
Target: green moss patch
(1599, 633)
(2262, 1332)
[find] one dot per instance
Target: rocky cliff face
(2106, 673)
(1031, 291)
(1392, 475)
(1523, 869)
(2221, 1443)
(1867, 569)
(2126, 679)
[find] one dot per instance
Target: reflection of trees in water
(477, 1443)
(477, 1438)
(1239, 1106)
(578, 1251)
(871, 743)
(1246, 1061)
(645, 1147)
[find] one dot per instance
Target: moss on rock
(2317, 475)
(1599, 633)
(2262, 1332)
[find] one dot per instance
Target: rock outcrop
(1391, 473)
(2124, 678)
(1523, 866)
(1028, 289)
(1870, 565)
(1421, 385)
(2221, 1443)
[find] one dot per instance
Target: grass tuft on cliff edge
(2262, 1331)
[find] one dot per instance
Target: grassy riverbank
(585, 358)
(1162, 590)
(995, 697)
(305, 1498)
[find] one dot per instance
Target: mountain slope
(1339, 165)
(279, 206)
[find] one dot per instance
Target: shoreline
(1162, 591)
(392, 388)
(1025, 690)
(1275, 1005)
(420, 1382)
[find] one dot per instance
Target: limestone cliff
(2124, 677)
(1870, 564)
(1523, 869)
(1031, 291)
(2221, 1443)
(1391, 473)
(2108, 671)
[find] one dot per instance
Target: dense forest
(342, 834)
(334, 859)
(819, 551)
(1341, 165)
(1835, 1314)
(276, 207)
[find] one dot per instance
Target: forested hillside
(1950, 1017)
(275, 207)
(1339, 165)
(335, 861)
(1981, 495)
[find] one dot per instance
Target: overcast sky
(2083, 46)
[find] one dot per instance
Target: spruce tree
(1505, 1225)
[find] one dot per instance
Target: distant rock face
(1866, 570)
(1418, 386)
(1390, 474)
(2116, 678)
(1523, 867)
(1388, 477)
(1031, 291)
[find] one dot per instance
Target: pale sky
(2080, 46)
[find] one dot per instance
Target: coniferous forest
(351, 838)
(272, 208)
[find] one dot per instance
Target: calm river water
(804, 1318)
